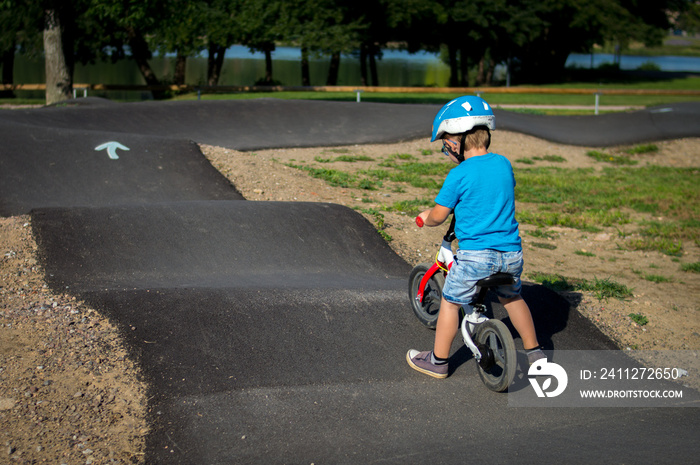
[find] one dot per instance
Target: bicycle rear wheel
(427, 310)
(499, 358)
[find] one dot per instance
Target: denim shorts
(472, 265)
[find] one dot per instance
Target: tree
(21, 28)
(568, 26)
(419, 24)
(687, 17)
(181, 31)
(318, 27)
(128, 23)
(260, 24)
(221, 30)
(344, 29)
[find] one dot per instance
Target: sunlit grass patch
(587, 200)
(608, 158)
(550, 158)
(663, 245)
(335, 178)
(665, 236)
(601, 288)
(345, 158)
(589, 220)
(411, 207)
(691, 267)
(641, 149)
(543, 233)
(638, 318)
(654, 278)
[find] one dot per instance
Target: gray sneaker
(420, 361)
(535, 355)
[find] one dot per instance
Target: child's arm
(435, 216)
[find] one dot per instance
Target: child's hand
(434, 216)
(422, 217)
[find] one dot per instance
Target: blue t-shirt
(481, 193)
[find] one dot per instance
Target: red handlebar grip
(419, 221)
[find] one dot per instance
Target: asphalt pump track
(275, 332)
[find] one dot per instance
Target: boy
(480, 191)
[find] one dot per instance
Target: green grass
(411, 207)
(335, 178)
(344, 158)
(638, 318)
(543, 233)
(543, 245)
(654, 278)
(691, 267)
(552, 158)
(608, 158)
(641, 149)
(378, 222)
(665, 246)
(601, 288)
(588, 200)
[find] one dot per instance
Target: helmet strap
(460, 157)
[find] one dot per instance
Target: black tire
(498, 364)
(427, 310)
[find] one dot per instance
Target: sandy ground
(69, 392)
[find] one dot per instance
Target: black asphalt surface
(275, 332)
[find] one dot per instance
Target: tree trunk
(333, 70)
(305, 75)
(215, 62)
(8, 67)
(141, 54)
(373, 69)
(454, 69)
(59, 82)
(268, 66)
(180, 69)
(464, 68)
(363, 65)
(489, 71)
(481, 74)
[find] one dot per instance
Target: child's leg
(520, 316)
(446, 329)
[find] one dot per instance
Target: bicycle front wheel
(499, 358)
(426, 310)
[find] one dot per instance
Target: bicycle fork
(469, 322)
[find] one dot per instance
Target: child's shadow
(464, 356)
(550, 313)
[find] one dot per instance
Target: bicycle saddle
(497, 279)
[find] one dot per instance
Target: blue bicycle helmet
(462, 114)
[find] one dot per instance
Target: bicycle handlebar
(419, 221)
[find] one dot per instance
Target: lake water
(628, 62)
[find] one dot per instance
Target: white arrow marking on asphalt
(112, 147)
